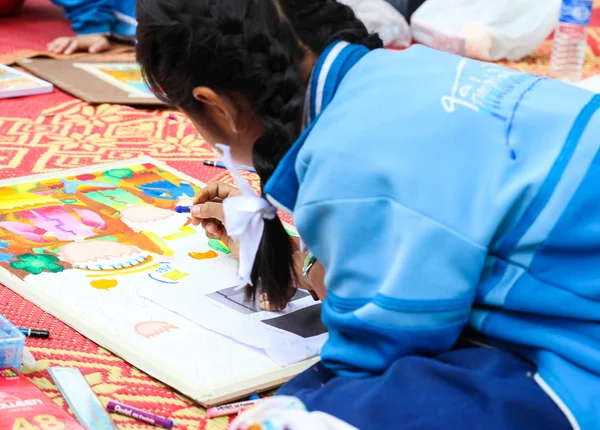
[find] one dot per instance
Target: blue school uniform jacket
(111, 17)
(442, 193)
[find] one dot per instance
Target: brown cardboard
(81, 84)
(127, 53)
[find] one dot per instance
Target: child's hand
(264, 303)
(208, 212)
(92, 43)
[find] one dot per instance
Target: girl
(443, 197)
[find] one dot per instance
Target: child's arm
(208, 212)
(92, 20)
(398, 282)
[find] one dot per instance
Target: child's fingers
(214, 228)
(73, 46)
(208, 210)
(217, 190)
(100, 46)
(52, 45)
(59, 45)
(265, 305)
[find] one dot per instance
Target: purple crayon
(147, 417)
(183, 209)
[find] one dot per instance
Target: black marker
(31, 332)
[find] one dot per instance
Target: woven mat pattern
(75, 134)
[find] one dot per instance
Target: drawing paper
(91, 245)
(126, 76)
(14, 83)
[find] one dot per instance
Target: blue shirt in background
(115, 18)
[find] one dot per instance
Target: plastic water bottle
(570, 40)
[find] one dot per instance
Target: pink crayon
(230, 409)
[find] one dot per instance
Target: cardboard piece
(126, 52)
(69, 77)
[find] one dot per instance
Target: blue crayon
(254, 397)
(183, 209)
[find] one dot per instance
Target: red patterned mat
(37, 24)
(76, 134)
(51, 132)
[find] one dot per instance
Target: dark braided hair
(255, 48)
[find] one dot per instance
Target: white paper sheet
(287, 337)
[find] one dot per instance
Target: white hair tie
(244, 218)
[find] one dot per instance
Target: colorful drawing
(217, 245)
(15, 83)
(165, 273)
(104, 249)
(203, 255)
(175, 275)
(111, 220)
(184, 231)
(150, 329)
(6, 257)
(126, 76)
(102, 255)
(104, 284)
(36, 264)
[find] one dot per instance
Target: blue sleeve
(398, 282)
(88, 16)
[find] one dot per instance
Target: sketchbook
(103, 249)
(14, 83)
(95, 82)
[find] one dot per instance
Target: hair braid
(254, 47)
(319, 23)
(279, 106)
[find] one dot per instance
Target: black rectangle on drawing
(304, 323)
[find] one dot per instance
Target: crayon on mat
(32, 332)
(147, 417)
(183, 209)
(221, 165)
(230, 409)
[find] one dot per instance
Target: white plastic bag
(28, 361)
(487, 30)
(381, 17)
